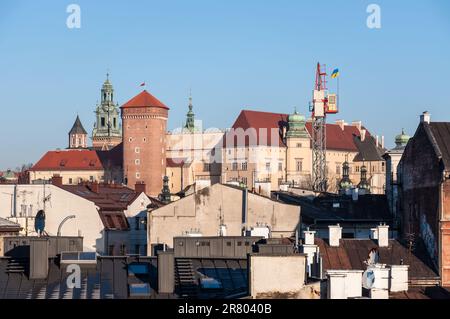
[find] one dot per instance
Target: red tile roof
(144, 99)
(175, 162)
(68, 160)
(337, 139)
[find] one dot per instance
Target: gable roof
(368, 150)
(351, 254)
(441, 134)
(68, 160)
(144, 99)
(77, 127)
(256, 124)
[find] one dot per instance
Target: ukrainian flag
(335, 74)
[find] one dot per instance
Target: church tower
(144, 120)
(77, 135)
(190, 118)
(107, 131)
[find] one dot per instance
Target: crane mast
(320, 107)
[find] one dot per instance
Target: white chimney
(399, 278)
(358, 124)
(382, 142)
(425, 118)
(341, 124)
(363, 135)
(309, 237)
(377, 141)
(383, 235)
(335, 235)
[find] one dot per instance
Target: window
(244, 180)
(137, 249)
(102, 120)
(280, 166)
(130, 139)
(206, 167)
(137, 150)
(299, 145)
(357, 169)
(137, 161)
(338, 169)
(91, 178)
(144, 139)
(70, 181)
(244, 166)
(239, 243)
(268, 166)
(140, 290)
(299, 165)
(138, 175)
(247, 243)
(137, 268)
(115, 122)
(235, 166)
(229, 243)
(111, 250)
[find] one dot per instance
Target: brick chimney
(94, 187)
(57, 180)
(140, 187)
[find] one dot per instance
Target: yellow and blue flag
(335, 74)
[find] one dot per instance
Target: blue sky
(235, 55)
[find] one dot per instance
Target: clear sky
(243, 54)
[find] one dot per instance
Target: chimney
(140, 187)
(341, 124)
(335, 235)
(425, 117)
(284, 130)
(382, 142)
(309, 237)
(358, 124)
(57, 180)
(363, 135)
(383, 235)
(94, 187)
(377, 141)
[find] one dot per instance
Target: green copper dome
(402, 139)
(297, 127)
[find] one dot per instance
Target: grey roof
(107, 279)
(77, 127)
(368, 150)
(441, 134)
(6, 225)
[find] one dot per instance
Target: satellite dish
(368, 279)
(39, 222)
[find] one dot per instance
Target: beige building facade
(220, 210)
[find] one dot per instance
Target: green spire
(345, 182)
(297, 126)
(190, 117)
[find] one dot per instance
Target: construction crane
(322, 104)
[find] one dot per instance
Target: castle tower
(298, 157)
(77, 135)
(144, 120)
(107, 131)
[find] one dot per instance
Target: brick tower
(144, 126)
